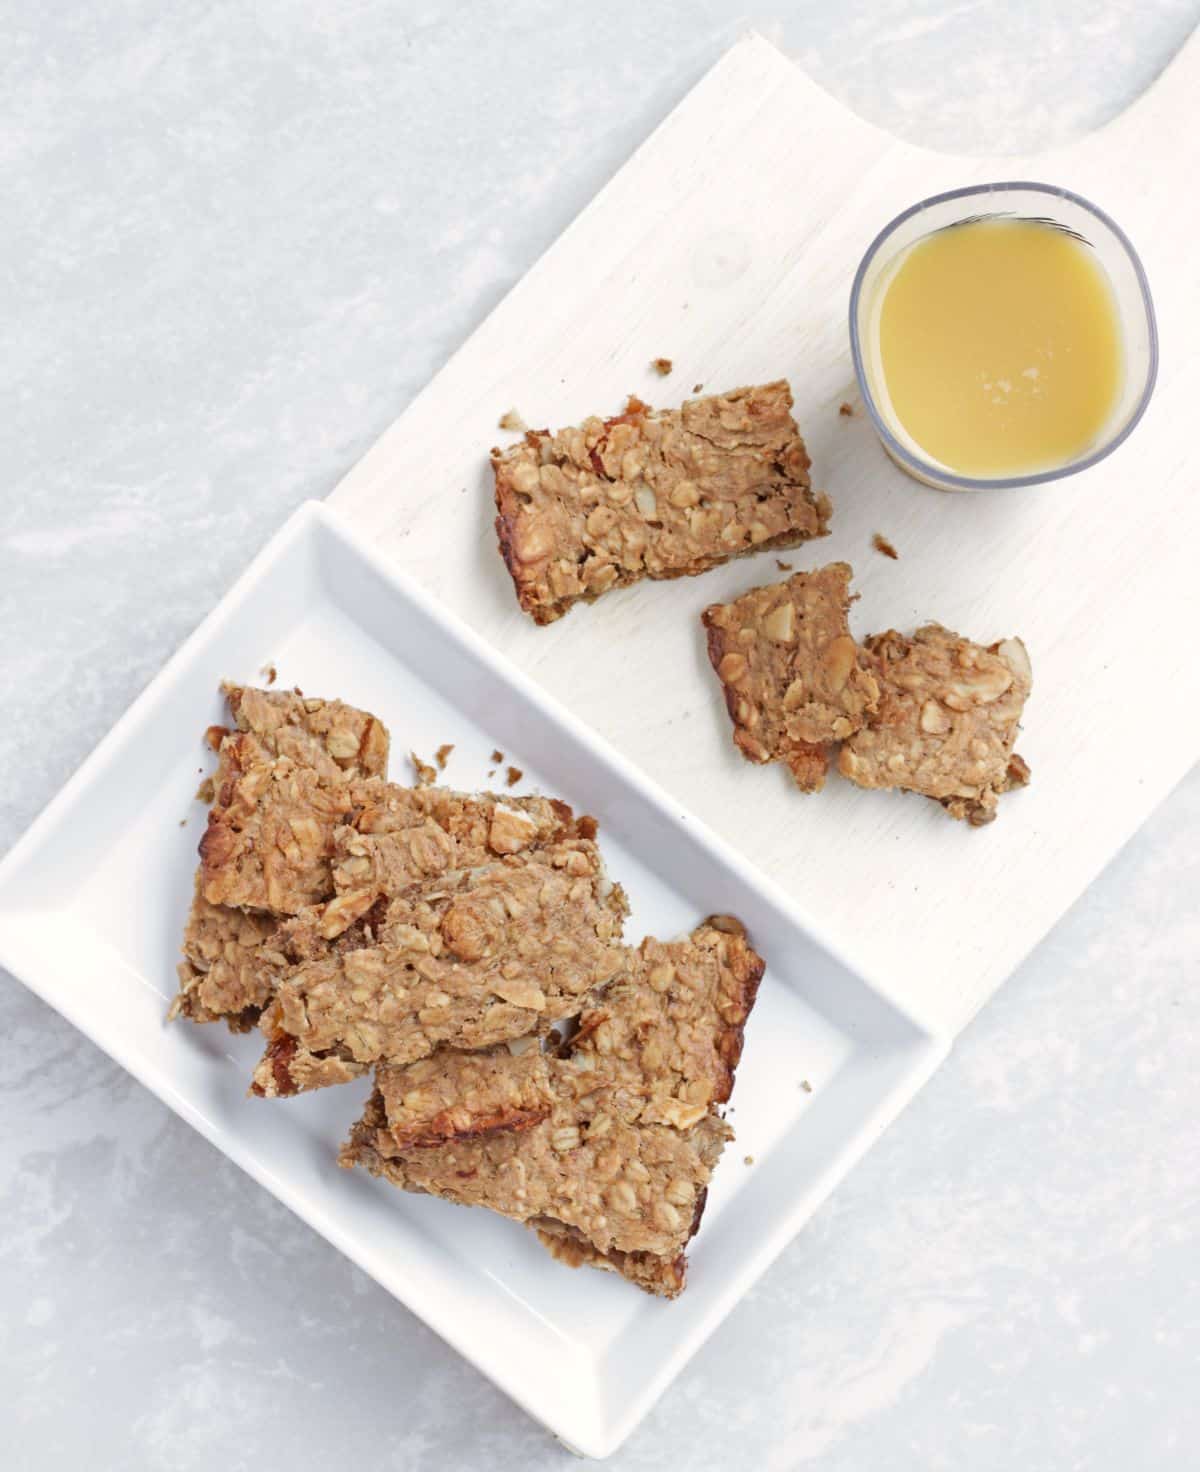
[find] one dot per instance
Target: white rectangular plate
(92, 904)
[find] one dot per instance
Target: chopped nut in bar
(497, 953)
(949, 715)
(659, 494)
(617, 1172)
(795, 682)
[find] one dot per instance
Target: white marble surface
(237, 240)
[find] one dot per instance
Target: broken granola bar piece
(498, 954)
(223, 975)
(273, 843)
(270, 833)
(457, 1096)
(282, 785)
(234, 959)
(402, 834)
(336, 740)
(623, 1188)
(616, 1174)
(282, 843)
(795, 682)
(949, 715)
(659, 494)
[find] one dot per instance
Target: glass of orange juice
(1003, 335)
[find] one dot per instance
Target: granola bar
(497, 954)
(794, 680)
(459, 1096)
(234, 959)
(948, 718)
(401, 835)
(616, 1174)
(273, 840)
(336, 740)
(223, 973)
(283, 783)
(659, 494)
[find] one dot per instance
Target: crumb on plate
(662, 366)
(426, 774)
(513, 776)
(881, 544)
(442, 754)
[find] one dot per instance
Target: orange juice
(999, 347)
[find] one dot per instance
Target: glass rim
(929, 470)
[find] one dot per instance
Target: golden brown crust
(461, 1096)
(659, 494)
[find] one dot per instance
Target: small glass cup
(1045, 204)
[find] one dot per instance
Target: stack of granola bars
(468, 950)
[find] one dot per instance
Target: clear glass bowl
(1042, 202)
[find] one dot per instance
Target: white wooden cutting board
(727, 244)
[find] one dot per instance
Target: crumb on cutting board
(442, 754)
(426, 775)
(269, 673)
(846, 410)
(697, 387)
(881, 544)
(512, 420)
(662, 366)
(783, 566)
(513, 776)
